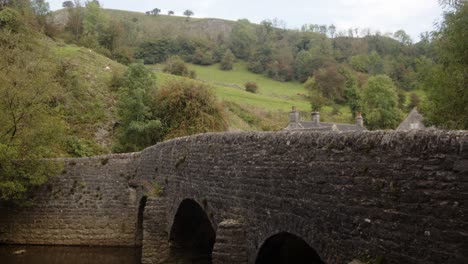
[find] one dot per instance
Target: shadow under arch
(192, 235)
(284, 248)
(139, 227)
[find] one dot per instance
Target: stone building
(414, 121)
(316, 125)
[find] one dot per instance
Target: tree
(68, 4)
(170, 13)
(188, 13)
(332, 30)
(402, 37)
(138, 127)
(242, 39)
(380, 103)
(40, 7)
(227, 61)
(281, 66)
(75, 20)
(447, 84)
(32, 126)
(317, 100)
(93, 20)
(352, 94)
(330, 82)
(157, 51)
(303, 65)
(155, 11)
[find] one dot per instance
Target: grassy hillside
(266, 110)
(149, 26)
(274, 98)
(89, 101)
(155, 26)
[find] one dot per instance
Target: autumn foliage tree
(330, 82)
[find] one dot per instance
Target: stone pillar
(230, 246)
(359, 120)
(316, 118)
(293, 115)
(155, 235)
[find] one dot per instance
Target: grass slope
(155, 26)
(274, 98)
(89, 101)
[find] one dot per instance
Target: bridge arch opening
(192, 236)
(284, 248)
(139, 227)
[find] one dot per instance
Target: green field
(272, 97)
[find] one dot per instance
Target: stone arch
(284, 247)
(306, 229)
(192, 235)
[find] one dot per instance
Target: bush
(176, 66)
(117, 80)
(415, 101)
(202, 57)
(251, 87)
(187, 108)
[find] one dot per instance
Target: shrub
(176, 66)
(227, 61)
(251, 87)
(187, 108)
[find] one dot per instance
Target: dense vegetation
(86, 104)
(338, 62)
(32, 124)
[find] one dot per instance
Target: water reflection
(69, 255)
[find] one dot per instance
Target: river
(68, 255)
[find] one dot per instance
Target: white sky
(413, 16)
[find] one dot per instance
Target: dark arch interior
(139, 229)
(285, 248)
(192, 236)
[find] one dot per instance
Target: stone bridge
(297, 197)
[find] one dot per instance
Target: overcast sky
(414, 16)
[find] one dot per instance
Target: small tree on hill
(68, 4)
(227, 61)
(155, 11)
(170, 13)
(188, 13)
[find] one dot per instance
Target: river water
(68, 255)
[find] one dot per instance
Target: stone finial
(359, 119)
(316, 117)
(294, 115)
